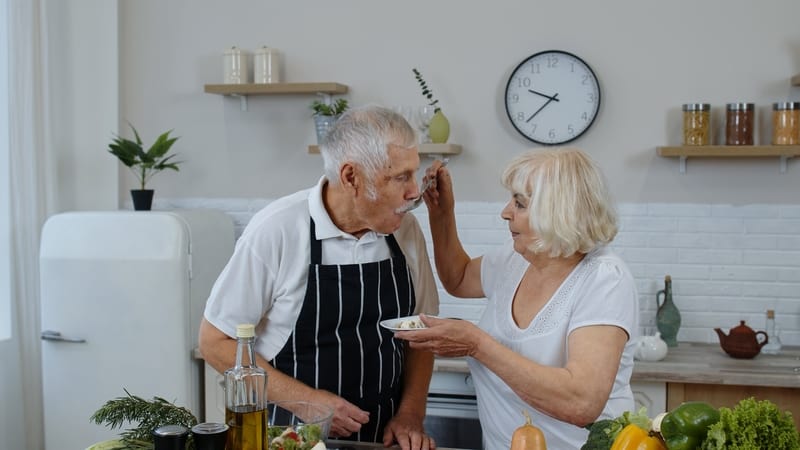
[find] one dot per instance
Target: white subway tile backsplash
(679, 240)
(679, 210)
(711, 225)
(771, 258)
(789, 275)
(743, 273)
(790, 211)
(727, 262)
(750, 241)
(772, 226)
(706, 256)
(758, 211)
(648, 224)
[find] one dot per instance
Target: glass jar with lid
(786, 123)
(696, 124)
(739, 122)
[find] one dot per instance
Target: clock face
(552, 97)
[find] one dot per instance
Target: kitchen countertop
(700, 363)
(333, 444)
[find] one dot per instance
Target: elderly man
(319, 269)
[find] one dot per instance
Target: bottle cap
(245, 330)
(770, 314)
(696, 107)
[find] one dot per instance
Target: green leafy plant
(426, 91)
(333, 109)
(144, 164)
(148, 414)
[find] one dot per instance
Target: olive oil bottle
(246, 396)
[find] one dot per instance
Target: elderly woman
(555, 338)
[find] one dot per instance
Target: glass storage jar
(786, 123)
(696, 124)
(739, 120)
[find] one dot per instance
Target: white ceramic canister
(267, 65)
(235, 66)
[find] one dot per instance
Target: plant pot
(322, 125)
(439, 128)
(142, 199)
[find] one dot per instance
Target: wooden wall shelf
(433, 150)
(784, 152)
(325, 89)
(276, 88)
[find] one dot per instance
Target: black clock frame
(524, 61)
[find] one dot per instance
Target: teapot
(742, 341)
(650, 348)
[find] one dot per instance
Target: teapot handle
(766, 338)
(658, 295)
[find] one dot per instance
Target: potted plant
(325, 114)
(144, 164)
(439, 126)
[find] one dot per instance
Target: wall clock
(552, 97)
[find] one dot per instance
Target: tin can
(234, 63)
(739, 122)
(786, 123)
(170, 437)
(266, 66)
(696, 124)
(210, 436)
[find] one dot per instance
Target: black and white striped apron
(337, 343)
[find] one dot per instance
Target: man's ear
(348, 177)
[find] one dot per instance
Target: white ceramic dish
(394, 324)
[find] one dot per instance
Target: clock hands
(549, 99)
(543, 95)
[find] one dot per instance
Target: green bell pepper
(685, 427)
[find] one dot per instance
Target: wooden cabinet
(718, 395)
(650, 394)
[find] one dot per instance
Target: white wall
(650, 57)
(83, 78)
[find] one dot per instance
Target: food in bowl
(298, 425)
(410, 324)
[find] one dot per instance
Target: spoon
(428, 183)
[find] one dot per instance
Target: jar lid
(209, 428)
(741, 106)
(781, 106)
(696, 106)
(171, 430)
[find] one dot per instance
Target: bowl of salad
(298, 425)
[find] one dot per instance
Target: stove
(452, 411)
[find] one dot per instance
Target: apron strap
(316, 245)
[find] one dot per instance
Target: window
(5, 207)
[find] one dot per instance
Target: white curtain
(31, 179)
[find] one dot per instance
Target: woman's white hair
(362, 136)
(569, 206)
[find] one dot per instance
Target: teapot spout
(721, 334)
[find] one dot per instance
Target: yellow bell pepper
(634, 438)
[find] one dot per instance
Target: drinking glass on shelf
(424, 116)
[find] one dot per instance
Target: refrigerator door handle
(49, 335)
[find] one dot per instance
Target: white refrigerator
(122, 296)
